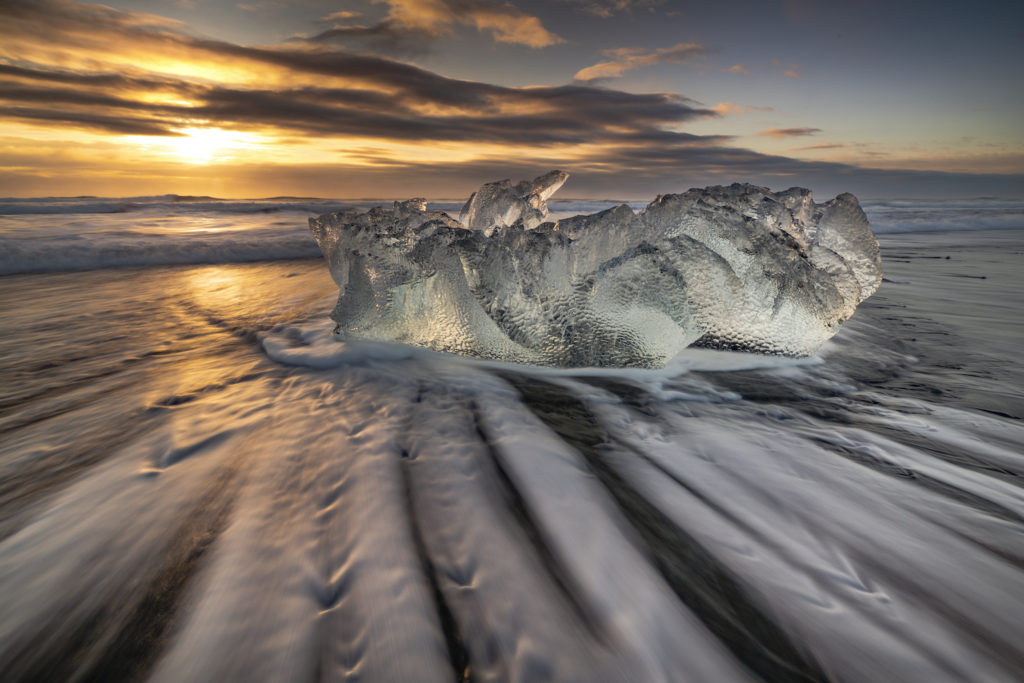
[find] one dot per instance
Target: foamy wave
(177, 205)
(73, 252)
(311, 344)
(85, 233)
(892, 216)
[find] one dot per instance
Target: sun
(209, 145)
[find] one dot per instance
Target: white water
(85, 233)
(196, 483)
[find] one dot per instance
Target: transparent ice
(737, 267)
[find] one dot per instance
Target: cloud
(83, 13)
(508, 25)
(737, 69)
(821, 146)
(263, 7)
(111, 80)
(110, 124)
(608, 8)
(568, 115)
(793, 71)
(629, 58)
(789, 132)
(343, 15)
(730, 109)
(385, 37)
(292, 90)
(70, 38)
(409, 22)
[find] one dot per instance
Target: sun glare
(209, 145)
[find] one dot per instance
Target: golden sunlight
(201, 145)
(207, 145)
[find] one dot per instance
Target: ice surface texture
(736, 267)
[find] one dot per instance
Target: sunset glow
(208, 145)
(632, 97)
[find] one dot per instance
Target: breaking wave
(88, 233)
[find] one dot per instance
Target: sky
(399, 98)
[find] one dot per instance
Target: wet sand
(176, 504)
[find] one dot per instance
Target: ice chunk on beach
(736, 267)
(502, 204)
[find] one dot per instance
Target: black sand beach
(176, 504)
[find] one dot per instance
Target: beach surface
(197, 483)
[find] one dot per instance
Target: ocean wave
(116, 250)
(186, 205)
(84, 233)
(168, 205)
(890, 216)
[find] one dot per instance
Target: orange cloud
(518, 29)
(343, 15)
(505, 22)
(737, 69)
(730, 109)
(629, 58)
(85, 70)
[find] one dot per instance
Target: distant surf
(47, 234)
